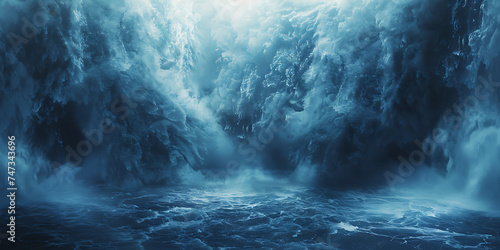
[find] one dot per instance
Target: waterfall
(324, 92)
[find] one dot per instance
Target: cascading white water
(321, 124)
(355, 83)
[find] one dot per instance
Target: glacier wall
(149, 92)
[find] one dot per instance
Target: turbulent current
(281, 219)
(253, 123)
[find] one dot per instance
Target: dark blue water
(233, 219)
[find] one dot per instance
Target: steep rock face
(139, 90)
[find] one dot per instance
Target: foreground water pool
(185, 218)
